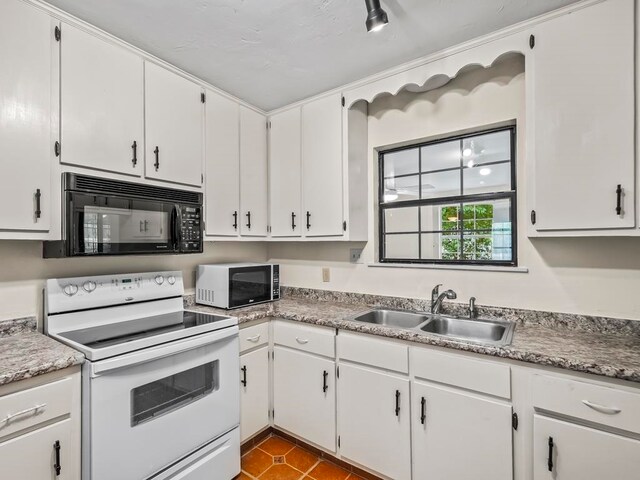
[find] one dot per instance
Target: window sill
(472, 268)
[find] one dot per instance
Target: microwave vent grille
(205, 295)
(128, 189)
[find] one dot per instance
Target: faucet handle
(436, 291)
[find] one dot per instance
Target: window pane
(492, 147)
(441, 246)
(401, 219)
(440, 217)
(490, 178)
(441, 184)
(487, 230)
(401, 246)
(399, 189)
(403, 162)
(440, 156)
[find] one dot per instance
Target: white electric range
(160, 390)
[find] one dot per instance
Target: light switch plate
(326, 274)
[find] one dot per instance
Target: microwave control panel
(276, 282)
(191, 229)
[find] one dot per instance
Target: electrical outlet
(355, 255)
(326, 274)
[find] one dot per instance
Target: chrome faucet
(437, 298)
(473, 310)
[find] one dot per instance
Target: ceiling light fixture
(485, 171)
(376, 16)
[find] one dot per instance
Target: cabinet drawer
(31, 407)
(594, 403)
(460, 371)
(372, 351)
(318, 340)
(254, 336)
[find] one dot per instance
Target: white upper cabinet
(222, 165)
(253, 173)
(285, 149)
(580, 79)
(102, 102)
(27, 116)
(174, 125)
(322, 172)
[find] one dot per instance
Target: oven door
(149, 409)
(249, 285)
(112, 225)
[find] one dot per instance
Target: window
(450, 201)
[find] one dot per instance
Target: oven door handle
(176, 224)
(155, 353)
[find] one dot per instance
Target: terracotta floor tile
(301, 459)
(276, 446)
(281, 472)
(353, 476)
(256, 462)
(242, 476)
(328, 471)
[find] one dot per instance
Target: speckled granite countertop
(26, 353)
(579, 347)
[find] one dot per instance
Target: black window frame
(460, 199)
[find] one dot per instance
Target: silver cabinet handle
(35, 410)
(254, 339)
(302, 341)
(601, 408)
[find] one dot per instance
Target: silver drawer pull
(601, 408)
(254, 339)
(302, 341)
(35, 410)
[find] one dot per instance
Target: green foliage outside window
(476, 223)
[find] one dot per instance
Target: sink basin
(494, 332)
(392, 318)
(488, 332)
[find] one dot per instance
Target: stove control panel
(69, 294)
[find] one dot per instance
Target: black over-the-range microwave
(102, 216)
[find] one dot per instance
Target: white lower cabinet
(479, 430)
(304, 396)
(567, 451)
(374, 421)
(38, 454)
(254, 392)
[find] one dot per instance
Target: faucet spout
(437, 305)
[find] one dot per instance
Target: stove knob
(70, 290)
(171, 279)
(89, 286)
(159, 279)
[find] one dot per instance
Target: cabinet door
(33, 455)
(173, 124)
(322, 166)
(254, 392)
(222, 165)
(304, 399)
(478, 430)
(26, 112)
(285, 174)
(565, 451)
(583, 118)
(374, 421)
(102, 104)
(253, 173)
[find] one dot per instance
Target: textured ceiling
(274, 52)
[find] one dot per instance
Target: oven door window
(116, 225)
(248, 285)
(171, 393)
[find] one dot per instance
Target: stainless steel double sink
(488, 332)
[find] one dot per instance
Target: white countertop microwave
(235, 285)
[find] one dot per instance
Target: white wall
(23, 270)
(597, 276)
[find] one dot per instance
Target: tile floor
(278, 459)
